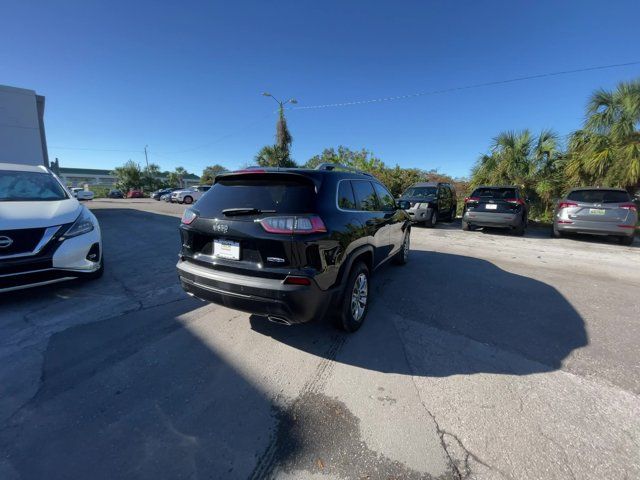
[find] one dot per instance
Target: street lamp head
(293, 100)
(266, 94)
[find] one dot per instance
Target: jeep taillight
(293, 224)
(629, 206)
(188, 216)
(519, 201)
(472, 199)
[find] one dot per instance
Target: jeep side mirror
(403, 204)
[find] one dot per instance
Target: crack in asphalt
(561, 449)
(453, 463)
(460, 468)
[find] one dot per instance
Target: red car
(135, 194)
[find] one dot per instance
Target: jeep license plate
(226, 249)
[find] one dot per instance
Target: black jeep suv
(292, 244)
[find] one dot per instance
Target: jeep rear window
(282, 193)
(599, 196)
(495, 193)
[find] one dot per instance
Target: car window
(345, 196)
(364, 195)
(599, 196)
(18, 186)
(495, 193)
(385, 198)
(420, 192)
(282, 193)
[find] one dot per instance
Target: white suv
(46, 236)
(189, 195)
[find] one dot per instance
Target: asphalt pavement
(487, 356)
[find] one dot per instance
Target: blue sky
(185, 77)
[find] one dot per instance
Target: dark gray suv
(494, 206)
(430, 202)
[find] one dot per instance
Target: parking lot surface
(487, 356)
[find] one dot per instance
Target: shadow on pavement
(452, 313)
(137, 394)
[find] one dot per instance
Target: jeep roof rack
(337, 166)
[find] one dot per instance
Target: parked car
(115, 194)
(135, 194)
(597, 211)
(292, 244)
(189, 195)
(430, 202)
(82, 194)
(46, 235)
(166, 197)
(496, 206)
(159, 193)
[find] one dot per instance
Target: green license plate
(596, 211)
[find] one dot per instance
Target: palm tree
(607, 150)
(534, 163)
(151, 174)
(180, 173)
(274, 156)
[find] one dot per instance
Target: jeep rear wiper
(245, 211)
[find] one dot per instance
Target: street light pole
(146, 158)
(282, 104)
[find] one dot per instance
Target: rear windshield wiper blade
(245, 211)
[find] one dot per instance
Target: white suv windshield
(17, 186)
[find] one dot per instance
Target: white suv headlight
(82, 225)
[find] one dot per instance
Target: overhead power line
(364, 102)
(96, 149)
(465, 87)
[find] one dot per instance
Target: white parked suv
(189, 195)
(46, 236)
(82, 194)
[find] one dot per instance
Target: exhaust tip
(279, 320)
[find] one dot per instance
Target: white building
(22, 135)
(78, 177)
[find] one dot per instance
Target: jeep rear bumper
(256, 295)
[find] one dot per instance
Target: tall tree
(283, 136)
(180, 173)
(151, 177)
(209, 173)
(128, 176)
(361, 159)
(607, 150)
(534, 163)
